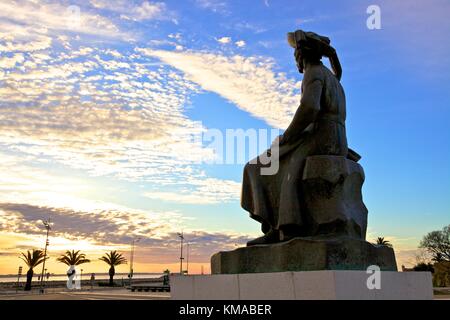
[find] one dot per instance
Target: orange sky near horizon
(10, 261)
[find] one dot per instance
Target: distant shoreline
(118, 282)
(87, 273)
(9, 281)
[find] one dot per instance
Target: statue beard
(299, 60)
(300, 65)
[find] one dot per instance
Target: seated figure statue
(282, 202)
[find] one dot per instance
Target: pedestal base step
(305, 254)
(305, 285)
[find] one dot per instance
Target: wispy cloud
(29, 195)
(115, 113)
(246, 26)
(38, 18)
(54, 102)
(249, 82)
(217, 6)
(147, 10)
(207, 191)
(101, 229)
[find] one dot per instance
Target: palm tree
(113, 259)
(32, 259)
(382, 242)
(73, 258)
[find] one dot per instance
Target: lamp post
(19, 273)
(187, 258)
(47, 226)
(132, 258)
(181, 254)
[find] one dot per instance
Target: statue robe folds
(276, 201)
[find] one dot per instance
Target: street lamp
(187, 258)
(19, 273)
(181, 254)
(132, 258)
(47, 226)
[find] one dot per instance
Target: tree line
(437, 245)
(35, 257)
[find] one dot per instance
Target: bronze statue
(311, 209)
(280, 202)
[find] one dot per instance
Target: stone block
(304, 285)
(304, 254)
(331, 188)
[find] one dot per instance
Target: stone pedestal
(308, 285)
(333, 204)
(305, 254)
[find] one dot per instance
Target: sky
(102, 103)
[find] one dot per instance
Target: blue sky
(98, 99)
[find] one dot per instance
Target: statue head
(310, 48)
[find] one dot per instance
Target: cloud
(116, 226)
(109, 229)
(92, 109)
(240, 43)
(147, 10)
(224, 40)
(208, 191)
(244, 26)
(89, 111)
(302, 21)
(216, 6)
(58, 104)
(18, 38)
(37, 18)
(10, 62)
(52, 105)
(29, 195)
(97, 110)
(249, 82)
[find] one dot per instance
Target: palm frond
(73, 258)
(113, 258)
(33, 258)
(383, 242)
